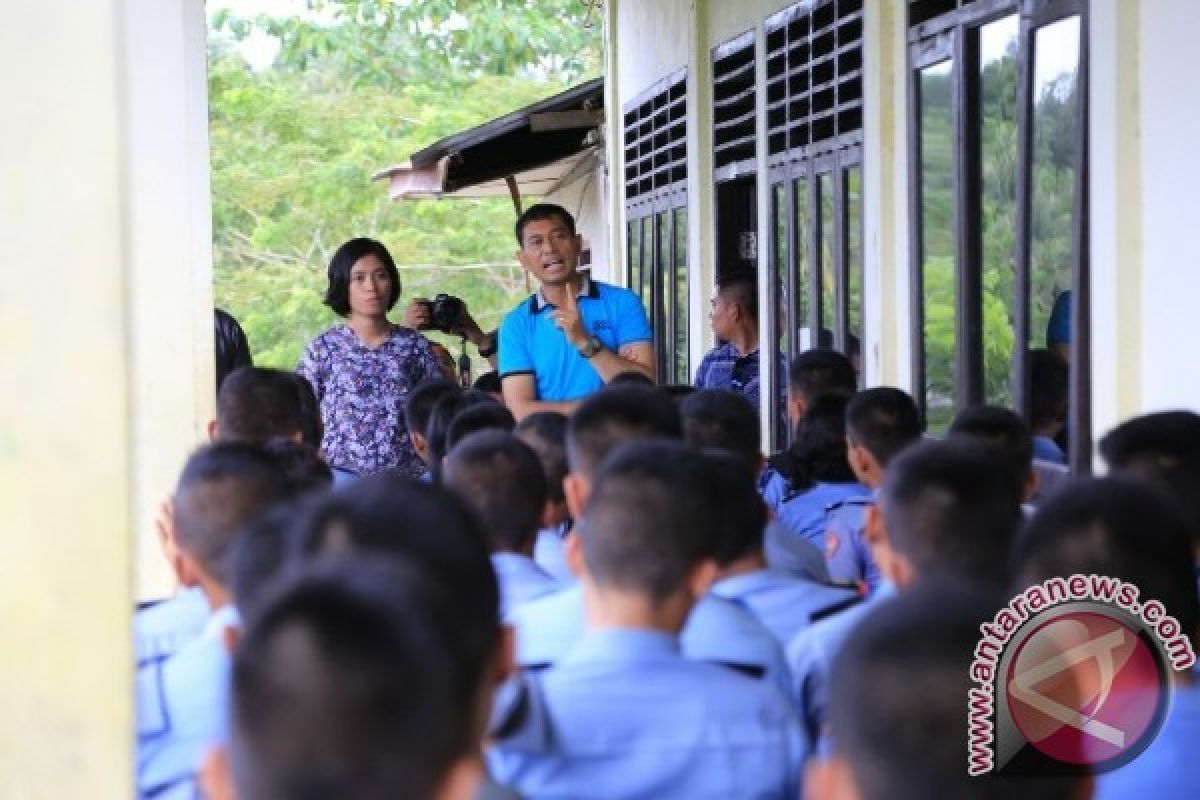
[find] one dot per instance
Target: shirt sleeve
(515, 355)
(631, 323)
(703, 370)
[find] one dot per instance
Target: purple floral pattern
(362, 392)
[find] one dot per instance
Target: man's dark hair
(488, 382)
(347, 685)
(431, 526)
(542, 211)
(741, 286)
(1163, 449)
(258, 403)
(546, 434)
(418, 408)
(444, 411)
(651, 517)
(266, 548)
(481, 417)
(613, 416)
(500, 477)
(743, 515)
(818, 455)
(884, 420)
(312, 428)
(301, 465)
(223, 486)
(721, 419)
(230, 346)
(1000, 431)
(1048, 380)
(822, 371)
(898, 699)
(337, 296)
(1118, 528)
(951, 512)
(632, 377)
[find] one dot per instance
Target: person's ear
(576, 489)
(899, 570)
(829, 778)
(419, 444)
(231, 636)
(215, 777)
(505, 662)
(185, 568)
(213, 430)
(875, 532)
(1032, 483)
(701, 578)
(573, 550)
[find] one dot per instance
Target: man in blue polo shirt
(575, 334)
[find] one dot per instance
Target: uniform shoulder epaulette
(846, 502)
(829, 611)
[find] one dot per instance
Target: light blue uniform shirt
(847, 555)
(520, 580)
(806, 513)
(1168, 767)
(531, 343)
(773, 487)
(717, 630)
(783, 604)
(632, 718)
(161, 629)
(550, 553)
(182, 707)
(793, 555)
(1046, 449)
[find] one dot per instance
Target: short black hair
(1048, 381)
(481, 417)
(722, 419)
(741, 286)
(223, 486)
(348, 685)
(265, 549)
(541, 211)
(950, 512)
(631, 377)
(614, 415)
(488, 382)
(821, 371)
(651, 517)
(884, 420)
(1119, 528)
(258, 403)
(898, 701)
(418, 408)
(546, 434)
(1002, 432)
(230, 346)
(500, 477)
(818, 454)
(337, 296)
(444, 411)
(301, 465)
(1163, 449)
(743, 514)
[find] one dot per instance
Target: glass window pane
(635, 255)
(662, 278)
(644, 285)
(854, 266)
(682, 365)
(937, 236)
(828, 252)
(1055, 142)
(998, 153)
(800, 286)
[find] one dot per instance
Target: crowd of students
(631, 602)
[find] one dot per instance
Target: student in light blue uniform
(546, 433)
(880, 422)
(631, 717)
(418, 409)
(1007, 436)
(500, 477)
(1122, 529)
(180, 700)
(160, 629)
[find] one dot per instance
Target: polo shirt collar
(624, 645)
(538, 300)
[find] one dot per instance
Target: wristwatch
(590, 347)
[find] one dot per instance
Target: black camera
(446, 312)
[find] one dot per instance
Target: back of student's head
(488, 382)
(1162, 448)
(1048, 381)
(1118, 528)
(347, 685)
(652, 517)
(1002, 432)
(223, 486)
(743, 515)
(418, 408)
(312, 427)
(546, 434)
(501, 478)
(615, 415)
(265, 549)
(950, 512)
(631, 377)
(898, 702)
(257, 403)
(818, 454)
(883, 420)
(721, 419)
(444, 411)
(481, 417)
(301, 464)
(821, 371)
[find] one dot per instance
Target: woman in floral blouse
(363, 369)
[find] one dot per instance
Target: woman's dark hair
(819, 452)
(337, 296)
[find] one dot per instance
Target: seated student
(717, 630)
(222, 487)
(443, 413)
(630, 716)
(501, 479)
(1008, 436)
(481, 417)
(819, 478)
(489, 382)
(546, 433)
(1048, 378)
(301, 464)
(945, 511)
(417, 411)
(898, 701)
(811, 374)
(1123, 529)
(348, 684)
(880, 422)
